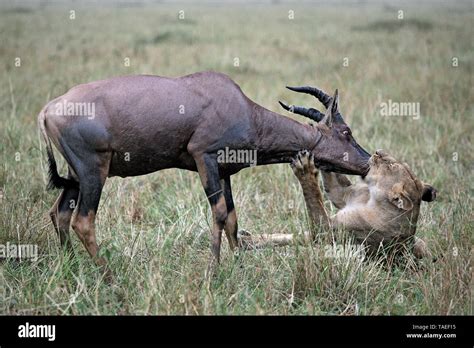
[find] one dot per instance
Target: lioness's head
(397, 181)
(399, 192)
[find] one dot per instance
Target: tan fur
(307, 174)
(382, 208)
(251, 242)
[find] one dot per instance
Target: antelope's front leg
(305, 170)
(209, 173)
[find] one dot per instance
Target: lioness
(382, 208)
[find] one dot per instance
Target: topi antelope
(141, 124)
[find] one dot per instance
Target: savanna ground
(155, 229)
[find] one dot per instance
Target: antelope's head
(336, 150)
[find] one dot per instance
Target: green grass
(155, 229)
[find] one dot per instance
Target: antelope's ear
(399, 197)
(429, 193)
(332, 110)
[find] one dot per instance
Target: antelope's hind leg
(92, 170)
(61, 213)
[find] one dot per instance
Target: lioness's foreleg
(338, 188)
(305, 170)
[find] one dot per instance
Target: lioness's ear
(429, 193)
(399, 197)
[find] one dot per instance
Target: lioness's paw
(303, 164)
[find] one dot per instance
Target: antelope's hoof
(245, 239)
(243, 233)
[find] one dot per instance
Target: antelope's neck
(279, 138)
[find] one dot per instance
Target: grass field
(155, 229)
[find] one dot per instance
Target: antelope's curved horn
(311, 113)
(318, 93)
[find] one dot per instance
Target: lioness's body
(382, 208)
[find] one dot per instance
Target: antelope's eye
(346, 132)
